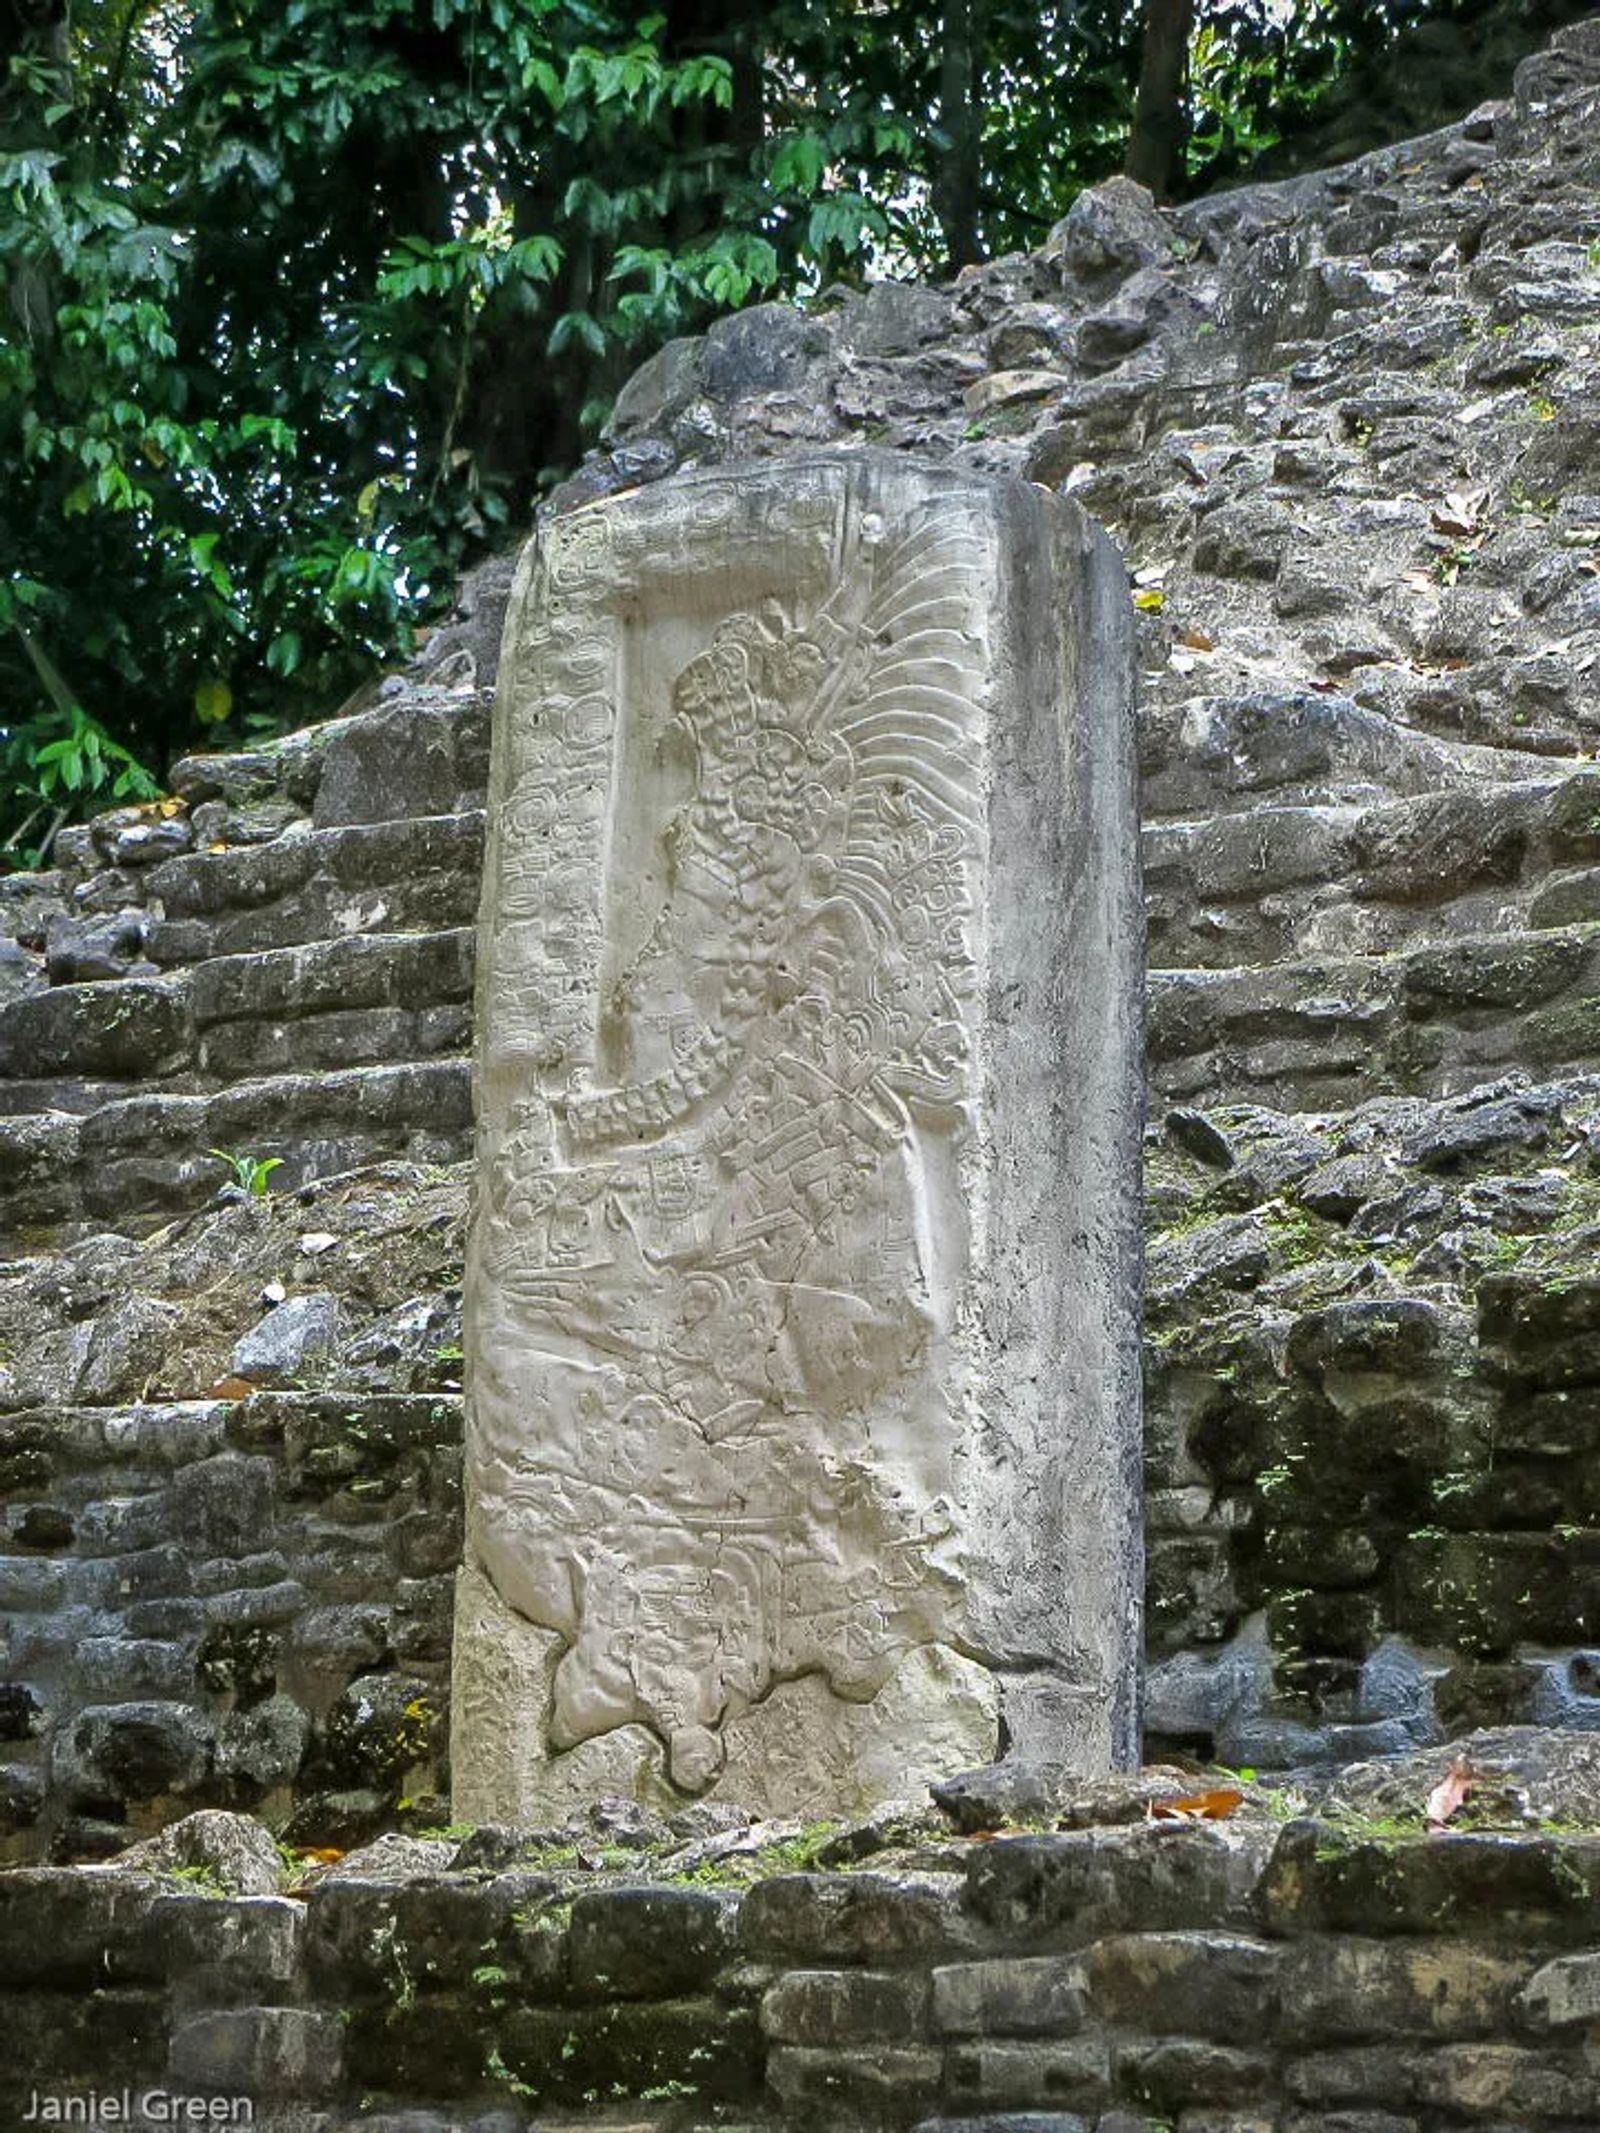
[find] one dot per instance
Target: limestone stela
(728, 1362)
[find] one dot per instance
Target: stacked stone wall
(1308, 1978)
(1346, 431)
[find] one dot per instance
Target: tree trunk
(1160, 112)
(959, 169)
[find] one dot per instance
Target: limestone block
(832, 2008)
(803, 1428)
(1005, 2076)
(1564, 1991)
(812, 2085)
(649, 1943)
(1010, 1996)
(863, 1917)
(281, 2051)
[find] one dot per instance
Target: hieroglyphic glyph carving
(730, 1372)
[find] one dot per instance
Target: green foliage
(293, 292)
(196, 1880)
(251, 1173)
(303, 303)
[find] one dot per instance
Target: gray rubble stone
(293, 1337)
(230, 1849)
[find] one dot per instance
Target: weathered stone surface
(211, 1950)
(1564, 1992)
(1522, 1776)
(1159, 1878)
(122, 1030)
(63, 1927)
(825, 2008)
(813, 2084)
(1010, 2076)
(1110, 228)
(649, 1942)
(1175, 2073)
(1015, 2122)
(52, 2038)
(283, 2051)
(1017, 1792)
(855, 1918)
(672, 2047)
(1448, 1884)
(295, 1335)
(726, 1243)
(396, 762)
(842, 2002)
(232, 1850)
(149, 1748)
(1382, 748)
(1338, 1989)
(403, 1933)
(1215, 1985)
(1010, 1996)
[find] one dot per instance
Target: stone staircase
(230, 1457)
(230, 1423)
(278, 962)
(1346, 431)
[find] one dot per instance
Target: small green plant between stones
(199, 1880)
(250, 1172)
(497, 2070)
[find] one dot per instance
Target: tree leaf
(213, 700)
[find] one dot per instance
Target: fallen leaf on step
(1449, 1795)
(1461, 512)
(231, 1388)
(1214, 1806)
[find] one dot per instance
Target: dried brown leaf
(1213, 1806)
(1449, 1795)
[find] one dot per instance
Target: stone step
(1322, 1034)
(420, 749)
(286, 889)
(146, 1154)
(360, 1000)
(1202, 756)
(416, 876)
(1277, 884)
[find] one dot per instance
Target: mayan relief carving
(728, 1361)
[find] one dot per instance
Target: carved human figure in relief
(719, 1394)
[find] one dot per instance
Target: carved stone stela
(758, 1503)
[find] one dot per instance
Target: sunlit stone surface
(803, 1448)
